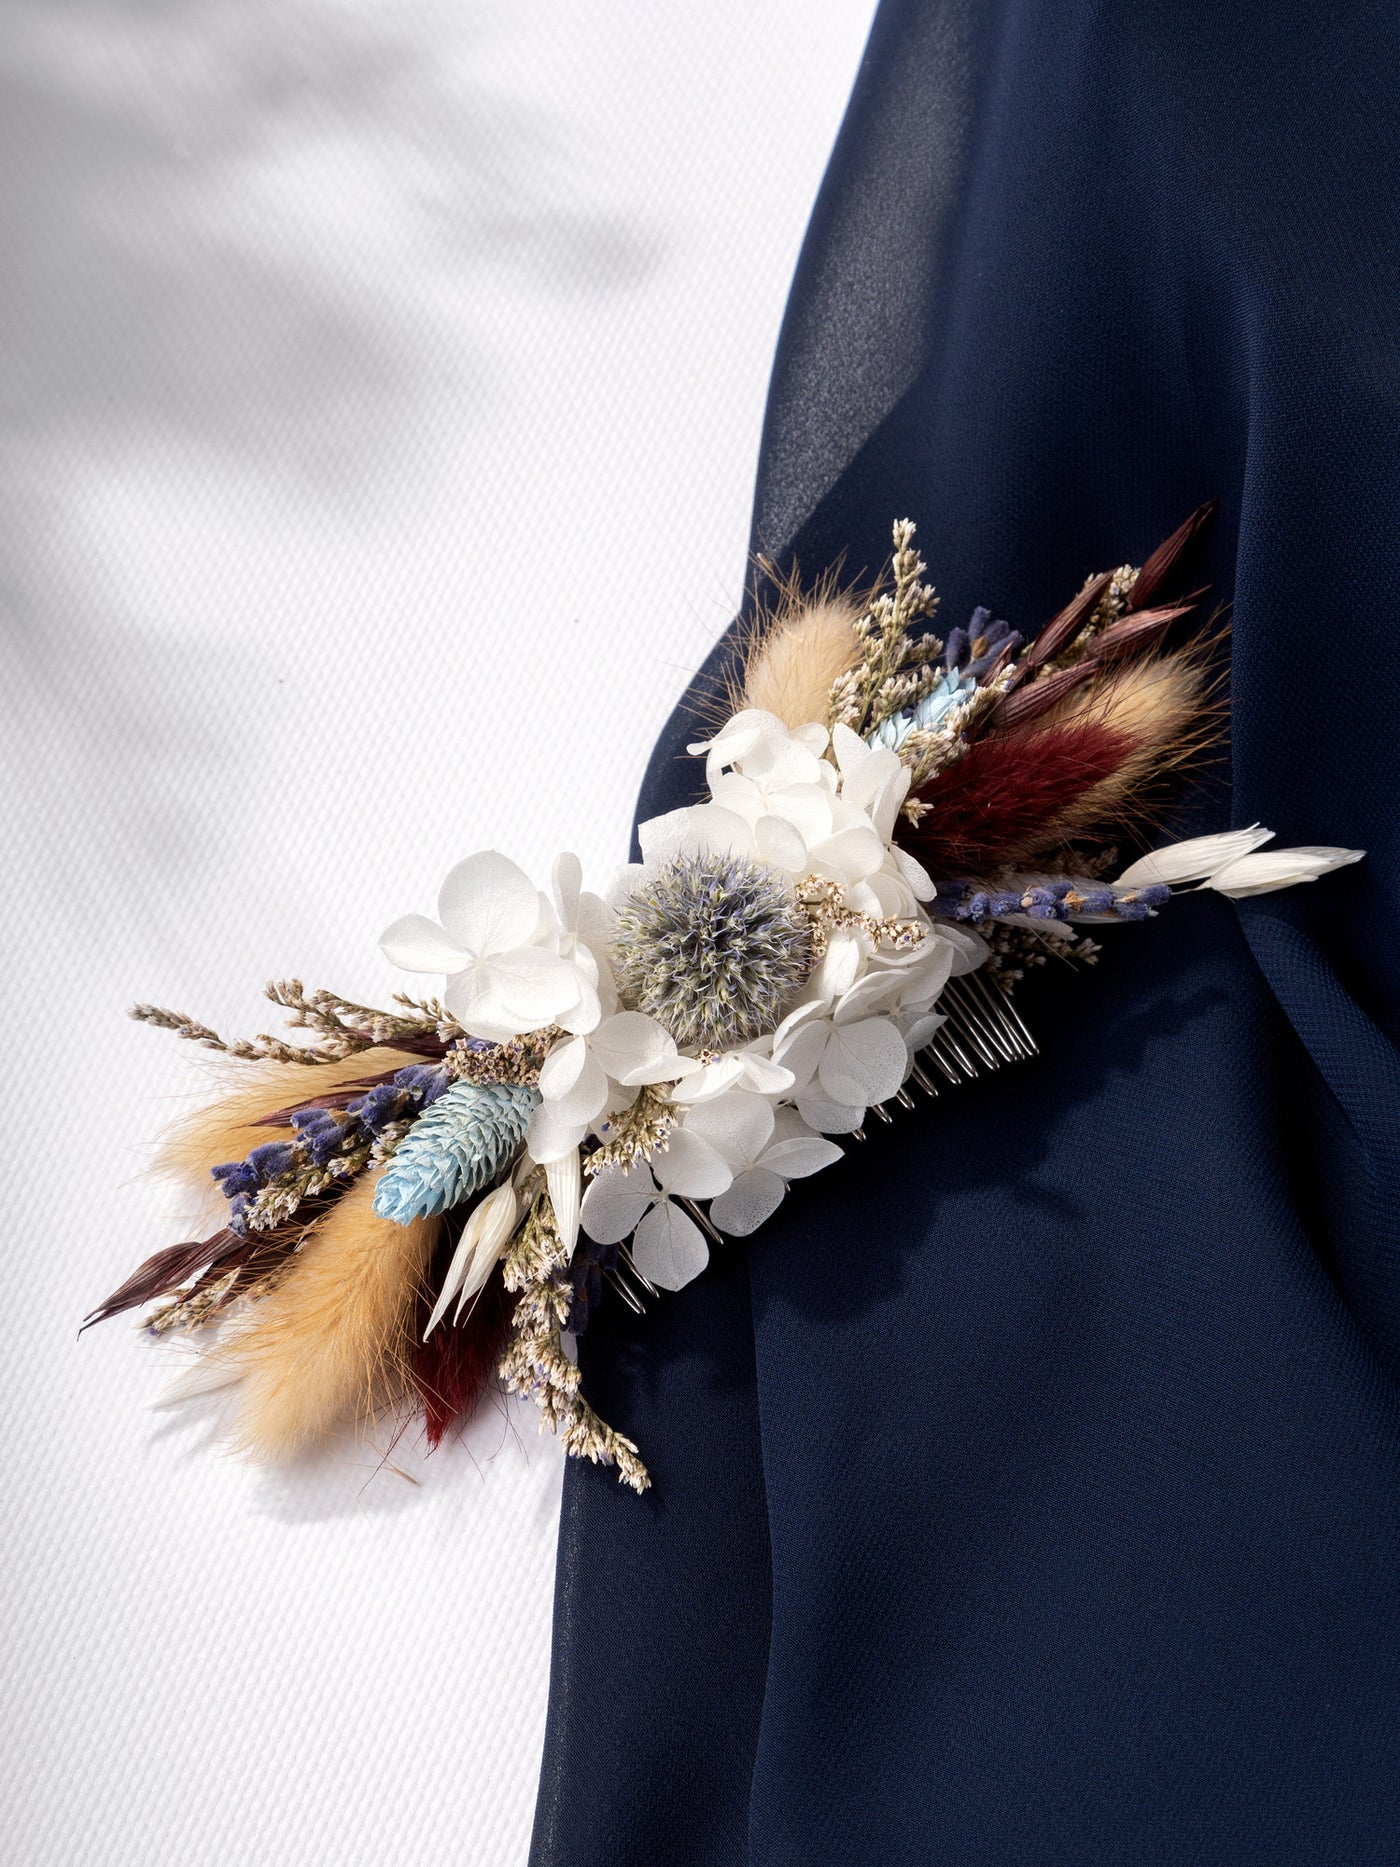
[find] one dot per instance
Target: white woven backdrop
(380, 390)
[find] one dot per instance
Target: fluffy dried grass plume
(797, 651)
(226, 1129)
(1162, 706)
(332, 1343)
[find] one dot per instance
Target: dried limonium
(713, 947)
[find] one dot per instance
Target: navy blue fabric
(1027, 1491)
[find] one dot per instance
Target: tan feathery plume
(1161, 706)
(226, 1129)
(798, 651)
(332, 1342)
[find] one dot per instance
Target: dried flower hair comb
(897, 826)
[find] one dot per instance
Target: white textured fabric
(381, 388)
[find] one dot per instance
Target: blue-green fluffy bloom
(460, 1144)
(713, 947)
(931, 711)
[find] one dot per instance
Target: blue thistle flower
(465, 1140)
(713, 947)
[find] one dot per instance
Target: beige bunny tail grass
(331, 1344)
(797, 650)
(226, 1129)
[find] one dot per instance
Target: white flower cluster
(748, 1120)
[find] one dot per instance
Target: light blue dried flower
(931, 711)
(713, 947)
(456, 1147)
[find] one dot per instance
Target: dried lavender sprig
(330, 1147)
(1061, 899)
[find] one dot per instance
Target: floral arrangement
(897, 827)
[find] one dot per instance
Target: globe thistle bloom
(713, 947)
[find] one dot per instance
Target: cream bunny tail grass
(228, 1128)
(331, 1344)
(798, 651)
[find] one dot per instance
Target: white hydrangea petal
(579, 1097)
(732, 791)
(550, 1135)
(813, 736)
(877, 989)
(763, 1075)
(970, 950)
(740, 734)
(634, 1049)
(1193, 860)
(743, 1207)
(802, 1049)
(865, 1062)
(710, 1080)
(921, 1031)
(839, 966)
(853, 853)
(738, 1126)
(588, 1011)
(780, 844)
(663, 838)
(690, 1167)
(808, 807)
(800, 1155)
(489, 904)
(562, 1068)
(829, 1117)
(850, 750)
(798, 1016)
(615, 1203)
(417, 944)
(478, 1010)
(533, 986)
(566, 878)
(913, 874)
(885, 805)
(669, 1248)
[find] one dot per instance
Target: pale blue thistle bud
(466, 1139)
(714, 948)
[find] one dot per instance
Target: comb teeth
(982, 1030)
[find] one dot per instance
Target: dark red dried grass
(993, 805)
(167, 1270)
(452, 1369)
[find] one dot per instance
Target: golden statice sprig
(895, 668)
(534, 1364)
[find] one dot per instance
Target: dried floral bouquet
(897, 825)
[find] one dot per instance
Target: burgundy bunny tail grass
(452, 1369)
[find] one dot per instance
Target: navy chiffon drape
(1027, 1490)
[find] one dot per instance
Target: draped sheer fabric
(1029, 1493)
